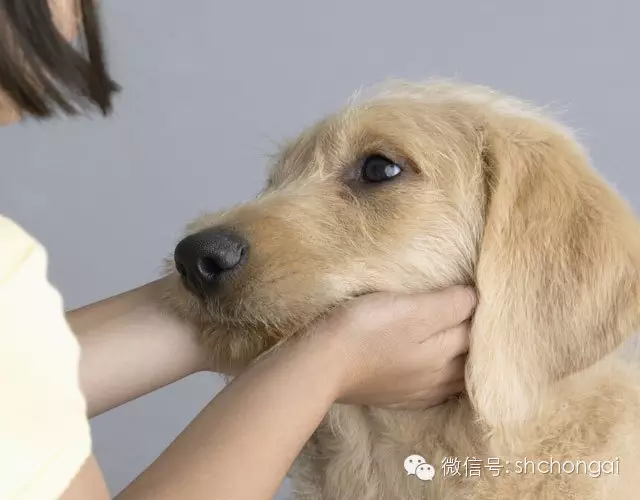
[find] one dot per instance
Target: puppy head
(423, 187)
(381, 196)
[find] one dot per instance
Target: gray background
(208, 86)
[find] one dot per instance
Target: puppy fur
(495, 194)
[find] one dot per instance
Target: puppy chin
(234, 333)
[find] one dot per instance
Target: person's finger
(451, 370)
(455, 368)
(454, 387)
(453, 342)
(445, 393)
(447, 308)
(448, 391)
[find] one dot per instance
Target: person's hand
(399, 350)
(384, 349)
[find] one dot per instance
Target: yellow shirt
(44, 433)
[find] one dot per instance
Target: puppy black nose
(203, 259)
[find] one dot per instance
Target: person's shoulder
(16, 245)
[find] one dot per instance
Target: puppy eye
(377, 168)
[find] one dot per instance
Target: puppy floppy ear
(558, 269)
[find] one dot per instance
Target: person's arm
(244, 442)
(130, 346)
(87, 484)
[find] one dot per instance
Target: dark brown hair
(43, 73)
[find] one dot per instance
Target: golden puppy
(418, 188)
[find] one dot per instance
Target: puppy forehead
(400, 129)
(437, 117)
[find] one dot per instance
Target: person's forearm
(130, 347)
(243, 443)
